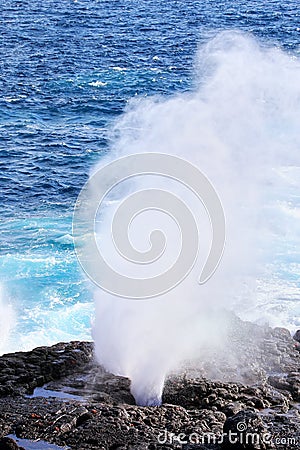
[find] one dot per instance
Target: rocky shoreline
(59, 395)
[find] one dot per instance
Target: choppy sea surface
(68, 70)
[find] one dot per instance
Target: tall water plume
(239, 126)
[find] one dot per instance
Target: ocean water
(68, 71)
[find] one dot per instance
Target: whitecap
(97, 83)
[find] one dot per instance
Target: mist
(239, 125)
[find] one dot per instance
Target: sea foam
(7, 321)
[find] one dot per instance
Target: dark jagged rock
(297, 336)
(21, 372)
(246, 430)
(202, 405)
(7, 443)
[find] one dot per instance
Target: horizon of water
(67, 73)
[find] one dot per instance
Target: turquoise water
(68, 70)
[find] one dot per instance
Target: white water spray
(237, 126)
(7, 321)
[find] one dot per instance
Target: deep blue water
(68, 69)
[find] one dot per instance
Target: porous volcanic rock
(60, 395)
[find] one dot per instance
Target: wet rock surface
(297, 336)
(249, 402)
(21, 372)
(7, 443)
